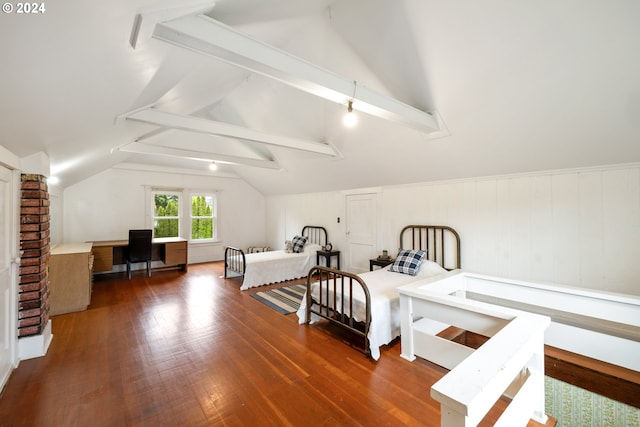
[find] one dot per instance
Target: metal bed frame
(235, 259)
(436, 240)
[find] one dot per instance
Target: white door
(7, 296)
(360, 227)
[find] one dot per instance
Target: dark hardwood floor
(191, 349)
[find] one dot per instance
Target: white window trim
(205, 193)
(185, 206)
(180, 217)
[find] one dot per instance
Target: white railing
(510, 363)
(597, 324)
(594, 323)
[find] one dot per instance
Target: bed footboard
(234, 262)
(331, 290)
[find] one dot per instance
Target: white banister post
(406, 328)
(536, 367)
(451, 418)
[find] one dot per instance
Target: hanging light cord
(355, 86)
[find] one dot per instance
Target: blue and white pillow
(298, 243)
(408, 262)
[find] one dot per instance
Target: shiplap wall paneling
(485, 225)
(542, 258)
(286, 215)
(515, 234)
(566, 228)
(400, 206)
(456, 212)
(621, 205)
(592, 219)
(579, 228)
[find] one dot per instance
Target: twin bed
(264, 268)
(368, 304)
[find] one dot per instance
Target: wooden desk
(172, 251)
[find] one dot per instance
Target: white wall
(108, 204)
(575, 227)
(56, 214)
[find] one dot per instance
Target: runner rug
(286, 300)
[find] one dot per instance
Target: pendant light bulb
(350, 118)
(213, 166)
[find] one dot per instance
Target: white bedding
(263, 268)
(385, 302)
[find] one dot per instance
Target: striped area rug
(286, 300)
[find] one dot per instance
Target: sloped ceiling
(518, 87)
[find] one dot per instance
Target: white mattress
(385, 303)
(263, 268)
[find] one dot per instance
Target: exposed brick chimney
(33, 306)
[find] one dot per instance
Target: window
(203, 217)
(184, 213)
(166, 214)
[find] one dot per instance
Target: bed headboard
(441, 243)
(315, 234)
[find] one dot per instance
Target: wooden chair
(139, 249)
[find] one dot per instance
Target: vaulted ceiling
(496, 87)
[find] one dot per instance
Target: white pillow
(312, 247)
(430, 268)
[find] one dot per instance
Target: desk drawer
(102, 258)
(175, 253)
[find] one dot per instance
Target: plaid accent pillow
(408, 262)
(298, 243)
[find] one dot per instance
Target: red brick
(31, 219)
(24, 228)
(39, 194)
(35, 236)
(30, 286)
(30, 261)
(36, 252)
(31, 269)
(34, 210)
(30, 202)
(22, 314)
(28, 278)
(33, 185)
(28, 331)
(29, 304)
(28, 296)
(35, 240)
(31, 321)
(31, 236)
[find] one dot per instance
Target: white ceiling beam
(205, 35)
(145, 20)
(211, 127)
(140, 148)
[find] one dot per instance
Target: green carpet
(575, 407)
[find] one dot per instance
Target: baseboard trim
(35, 345)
